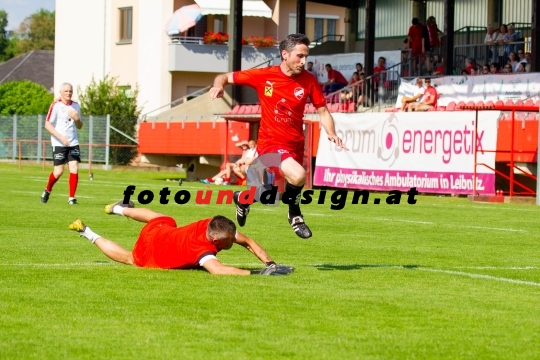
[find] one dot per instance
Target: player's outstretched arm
(327, 122)
(216, 91)
(215, 267)
(253, 247)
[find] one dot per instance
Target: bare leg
(295, 173)
(141, 214)
(114, 251)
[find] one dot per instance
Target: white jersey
(59, 118)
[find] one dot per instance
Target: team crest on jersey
(299, 93)
(268, 90)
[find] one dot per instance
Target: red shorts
(297, 154)
(143, 250)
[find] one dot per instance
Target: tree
(4, 42)
(106, 97)
(36, 32)
(24, 97)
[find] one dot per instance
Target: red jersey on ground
(337, 76)
(283, 99)
(163, 245)
(430, 93)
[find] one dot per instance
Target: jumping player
(283, 91)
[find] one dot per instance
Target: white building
(126, 39)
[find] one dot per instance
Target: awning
(222, 7)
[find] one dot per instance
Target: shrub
(24, 97)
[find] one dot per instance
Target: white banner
(398, 151)
(475, 88)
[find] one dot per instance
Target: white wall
(82, 42)
(154, 79)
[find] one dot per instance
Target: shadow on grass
(327, 267)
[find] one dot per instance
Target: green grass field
(442, 279)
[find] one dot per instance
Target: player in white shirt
(63, 120)
(415, 98)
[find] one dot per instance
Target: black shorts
(64, 154)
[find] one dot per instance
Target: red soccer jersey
(282, 100)
(339, 78)
(163, 245)
(430, 93)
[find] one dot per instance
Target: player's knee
(297, 178)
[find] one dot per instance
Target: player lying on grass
(163, 245)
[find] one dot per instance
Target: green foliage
(4, 42)
(37, 32)
(106, 97)
(24, 97)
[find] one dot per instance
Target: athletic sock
(73, 180)
(90, 235)
(51, 182)
(118, 210)
(293, 194)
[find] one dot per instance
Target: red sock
(227, 180)
(73, 180)
(52, 181)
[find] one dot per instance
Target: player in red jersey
(163, 245)
(283, 91)
(63, 120)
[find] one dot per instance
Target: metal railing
(325, 38)
(372, 93)
(184, 98)
(484, 54)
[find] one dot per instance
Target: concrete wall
(82, 42)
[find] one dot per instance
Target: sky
(18, 10)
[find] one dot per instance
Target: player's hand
(74, 114)
(338, 141)
(274, 269)
(64, 140)
(215, 92)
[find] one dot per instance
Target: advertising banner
(432, 151)
(475, 88)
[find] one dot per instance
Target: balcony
(192, 54)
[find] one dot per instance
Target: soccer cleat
(226, 183)
(73, 201)
(242, 211)
(77, 226)
(109, 208)
(204, 181)
(45, 196)
(299, 226)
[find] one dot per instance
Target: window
(318, 26)
(126, 24)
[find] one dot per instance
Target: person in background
(63, 120)
(309, 68)
(336, 81)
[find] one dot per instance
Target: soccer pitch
(441, 279)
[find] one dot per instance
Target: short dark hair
(415, 21)
(291, 41)
(328, 65)
(221, 227)
(310, 62)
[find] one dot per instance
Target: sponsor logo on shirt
(268, 90)
(282, 111)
